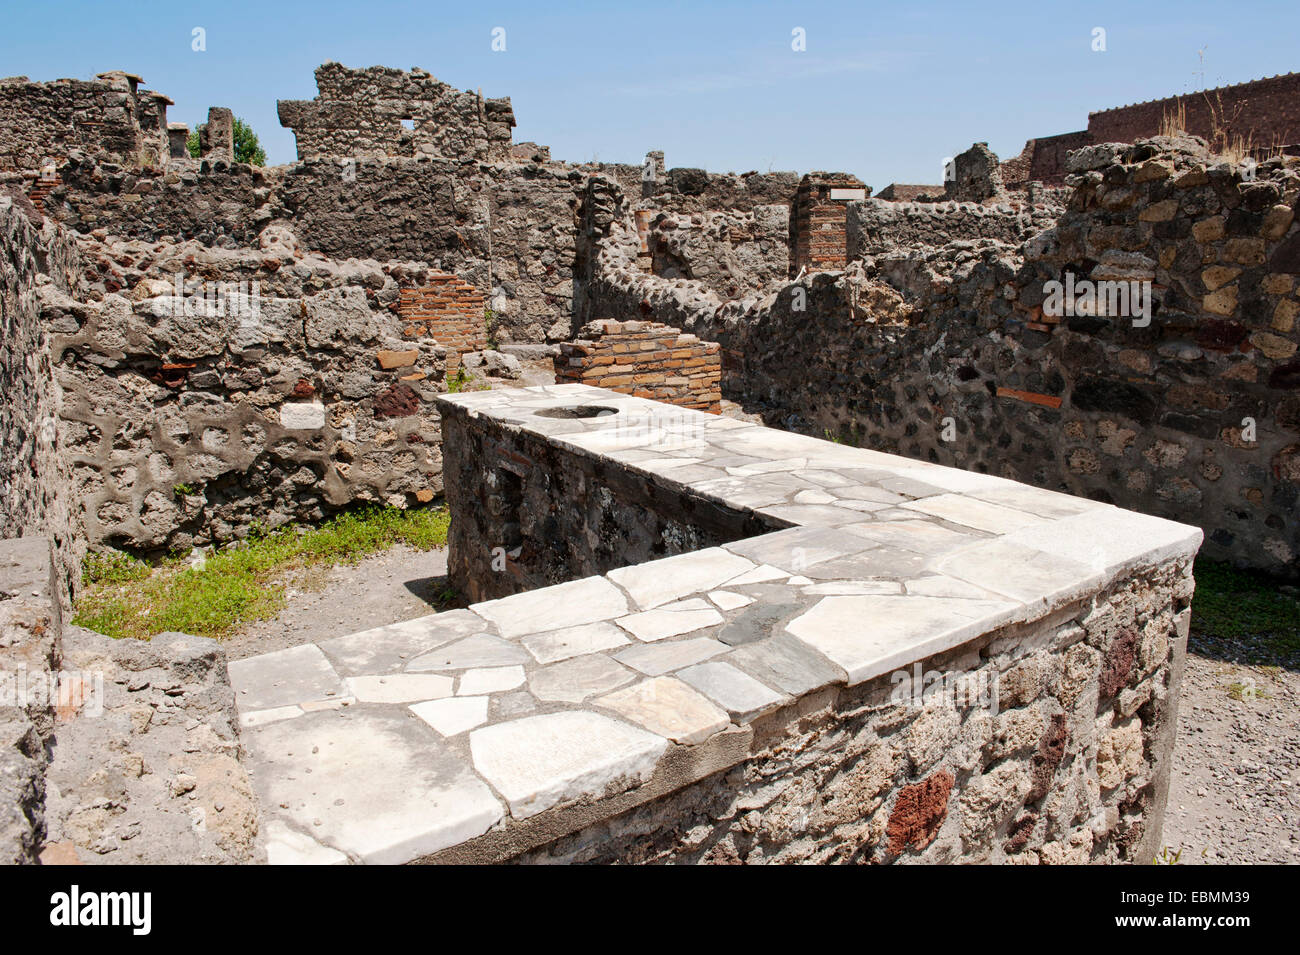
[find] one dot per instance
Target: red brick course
(1266, 112)
(450, 311)
(647, 360)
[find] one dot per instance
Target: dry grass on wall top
(215, 595)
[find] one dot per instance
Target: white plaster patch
(304, 416)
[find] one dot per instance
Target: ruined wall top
(361, 113)
(974, 176)
(1263, 113)
(110, 116)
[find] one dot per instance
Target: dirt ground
(398, 584)
(1234, 798)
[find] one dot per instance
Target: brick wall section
(647, 360)
(817, 239)
(450, 311)
(40, 188)
(1266, 111)
(1043, 159)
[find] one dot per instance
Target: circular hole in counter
(576, 411)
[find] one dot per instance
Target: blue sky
(882, 91)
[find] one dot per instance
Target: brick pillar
(817, 221)
(644, 260)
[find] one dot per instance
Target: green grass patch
(240, 583)
(456, 384)
(464, 381)
(1232, 604)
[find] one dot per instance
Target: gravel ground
(1235, 795)
(1234, 798)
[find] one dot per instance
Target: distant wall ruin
(111, 117)
(386, 112)
(1263, 115)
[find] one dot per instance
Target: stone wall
(111, 116)
(974, 176)
(686, 190)
(513, 226)
(1069, 768)
(365, 113)
(908, 192)
(39, 497)
(646, 360)
(944, 352)
(729, 252)
(265, 395)
(875, 225)
(529, 514)
(218, 203)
